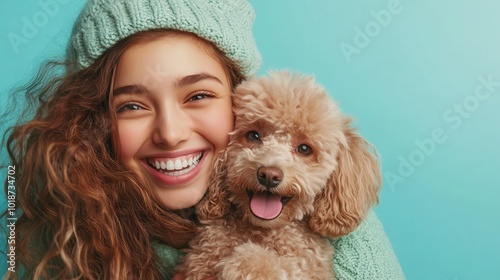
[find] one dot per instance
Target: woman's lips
(178, 170)
(172, 166)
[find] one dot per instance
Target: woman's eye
(304, 149)
(253, 136)
(128, 107)
(200, 96)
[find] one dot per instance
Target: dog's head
(293, 156)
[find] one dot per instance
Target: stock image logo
(364, 35)
(31, 25)
(453, 117)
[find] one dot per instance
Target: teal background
(412, 83)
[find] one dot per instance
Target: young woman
(123, 140)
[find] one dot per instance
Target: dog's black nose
(269, 177)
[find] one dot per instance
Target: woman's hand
(182, 276)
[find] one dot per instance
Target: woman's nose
(171, 127)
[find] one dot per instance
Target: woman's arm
(366, 253)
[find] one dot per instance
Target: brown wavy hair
(84, 214)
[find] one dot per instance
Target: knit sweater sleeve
(366, 253)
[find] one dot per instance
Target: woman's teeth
(175, 167)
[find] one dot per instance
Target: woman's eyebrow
(192, 79)
(130, 89)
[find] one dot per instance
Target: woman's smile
(172, 171)
(175, 166)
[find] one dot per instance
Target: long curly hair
(84, 214)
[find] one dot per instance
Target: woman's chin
(180, 199)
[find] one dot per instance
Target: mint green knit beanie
(226, 23)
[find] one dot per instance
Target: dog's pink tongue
(266, 205)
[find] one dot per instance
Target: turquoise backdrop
(421, 79)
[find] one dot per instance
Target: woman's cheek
(218, 124)
(131, 136)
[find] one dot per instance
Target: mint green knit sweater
(366, 253)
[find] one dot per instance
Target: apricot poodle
(294, 173)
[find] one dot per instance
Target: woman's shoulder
(366, 253)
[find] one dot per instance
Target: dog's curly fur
(329, 179)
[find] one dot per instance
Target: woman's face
(173, 104)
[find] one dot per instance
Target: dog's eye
(253, 136)
(304, 149)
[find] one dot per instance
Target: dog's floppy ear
(351, 191)
(215, 204)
